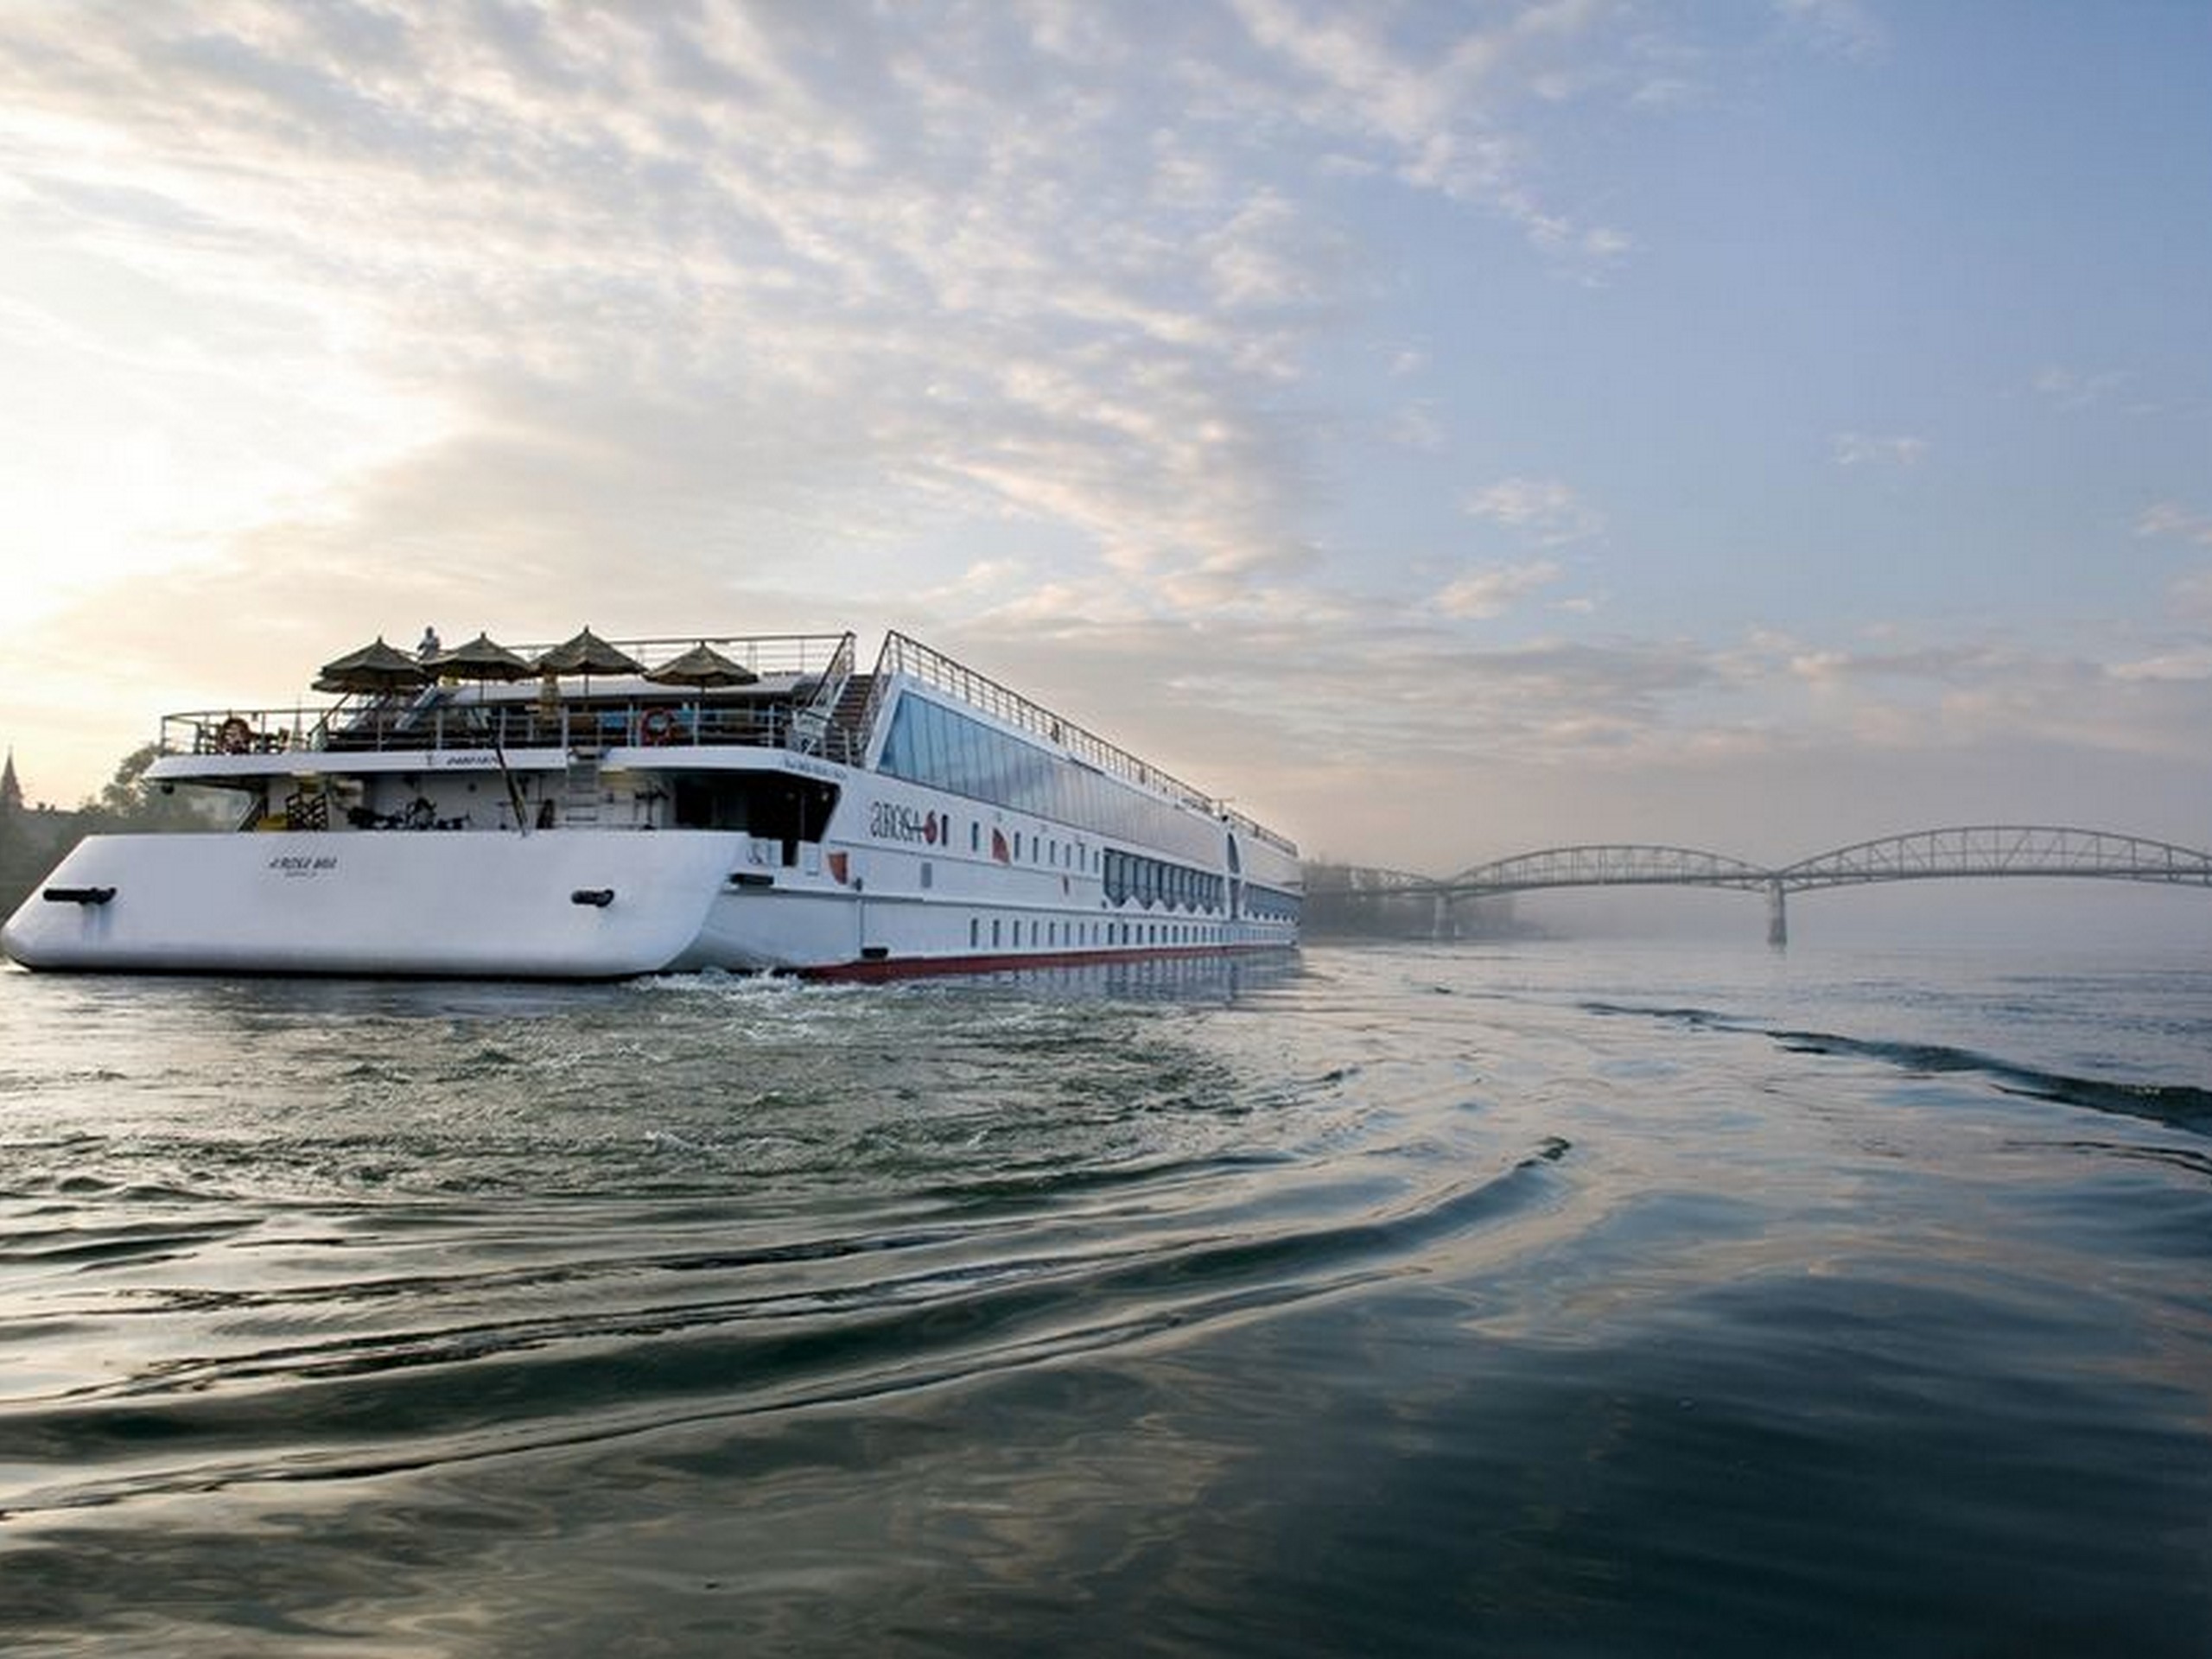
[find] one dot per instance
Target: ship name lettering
(302, 863)
(891, 821)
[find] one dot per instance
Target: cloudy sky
(1448, 429)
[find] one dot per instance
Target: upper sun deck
(766, 691)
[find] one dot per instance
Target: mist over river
(1529, 1298)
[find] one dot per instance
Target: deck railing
(806, 672)
(363, 726)
(917, 661)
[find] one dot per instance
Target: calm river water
(1530, 1300)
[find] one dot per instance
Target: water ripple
(769, 1328)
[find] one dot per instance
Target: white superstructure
(919, 818)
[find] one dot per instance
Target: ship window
(975, 835)
(974, 931)
(994, 931)
(772, 806)
(975, 765)
(897, 744)
(929, 743)
(928, 876)
(948, 749)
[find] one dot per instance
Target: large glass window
(932, 744)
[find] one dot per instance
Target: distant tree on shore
(34, 840)
(130, 801)
(25, 856)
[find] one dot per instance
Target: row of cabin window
(1130, 876)
(1153, 881)
(1270, 904)
(1016, 935)
(1043, 849)
(931, 744)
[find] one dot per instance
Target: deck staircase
(847, 731)
(579, 799)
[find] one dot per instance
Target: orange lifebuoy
(658, 726)
(233, 736)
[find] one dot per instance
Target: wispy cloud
(1846, 27)
(1417, 426)
(2072, 389)
(1544, 510)
(1869, 449)
(1494, 590)
(1433, 102)
(2169, 519)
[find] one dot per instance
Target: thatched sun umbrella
(702, 665)
(480, 659)
(377, 667)
(586, 654)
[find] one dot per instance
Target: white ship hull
(578, 904)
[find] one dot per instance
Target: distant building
(11, 792)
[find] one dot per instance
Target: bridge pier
(1778, 916)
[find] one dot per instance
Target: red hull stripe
(1000, 962)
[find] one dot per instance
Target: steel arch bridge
(1967, 850)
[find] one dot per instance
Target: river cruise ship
(599, 809)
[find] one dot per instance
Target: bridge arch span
(1609, 864)
(1996, 849)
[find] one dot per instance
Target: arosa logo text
(888, 821)
(302, 864)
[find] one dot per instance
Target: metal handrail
(811, 725)
(902, 655)
(359, 722)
